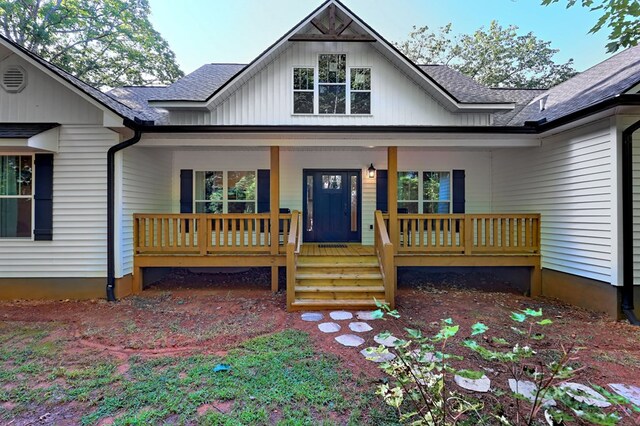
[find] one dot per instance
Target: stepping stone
(350, 340)
(577, 391)
(632, 393)
(365, 315)
(341, 315)
(528, 390)
(329, 327)
(312, 316)
(372, 355)
(480, 385)
(389, 342)
(360, 327)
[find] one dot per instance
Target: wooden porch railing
(468, 233)
(294, 242)
(384, 251)
(206, 233)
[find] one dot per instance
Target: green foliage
(107, 43)
(496, 56)
(621, 16)
(422, 369)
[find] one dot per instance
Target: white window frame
(370, 90)
(421, 199)
(316, 87)
(314, 90)
(32, 196)
(225, 190)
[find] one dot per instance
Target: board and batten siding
(79, 246)
(145, 188)
(266, 98)
(44, 100)
(569, 180)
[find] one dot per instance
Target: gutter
(626, 304)
(111, 261)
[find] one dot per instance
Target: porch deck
(336, 275)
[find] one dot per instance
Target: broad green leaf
(448, 321)
(545, 321)
(478, 328)
(517, 316)
(413, 333)
(470, 374)
(377, 314)
(533, 313)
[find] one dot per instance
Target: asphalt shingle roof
(603, 81)
(23, 130)
(200, 84)
(464, 88)
(137, 97)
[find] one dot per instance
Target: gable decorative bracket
(332, 32)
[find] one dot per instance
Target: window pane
(241, 186)
(332, 99)
(331, 182)
(205, 207)
(436, 186)
(332, 68)
(15, 175)
(410, 207)
(241, 207)
(303, 78)
(360, 78)
(361, 103)
(354, 204)
(303, 102)
(408, 186)
(15, 217)
(208, 186)
(309, 203)
(436, 207)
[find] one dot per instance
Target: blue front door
(331, 205)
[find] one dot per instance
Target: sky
(236, 31)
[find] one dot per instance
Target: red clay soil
(215, 313)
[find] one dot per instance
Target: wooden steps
(337, 282)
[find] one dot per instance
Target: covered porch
(386, 239)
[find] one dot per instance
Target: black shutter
(264, 186)
(382, 203)
(458, 191)
(186, 191)
(43, 198)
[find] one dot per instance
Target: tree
(106, 43)
(621, 16)
(495, 57)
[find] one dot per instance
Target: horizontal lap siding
(569, 181)
(79, 243)
(146, 188)
(636, 207)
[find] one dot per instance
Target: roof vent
(543, 102)
(14, 79)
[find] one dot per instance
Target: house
(331, 155)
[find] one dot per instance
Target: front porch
(336, 275)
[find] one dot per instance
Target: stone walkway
(362, 329)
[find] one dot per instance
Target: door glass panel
(354, 203)
(331, 182)
(309, 221)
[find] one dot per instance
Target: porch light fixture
(371, 171)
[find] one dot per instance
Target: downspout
(627, 223)
(111, 261)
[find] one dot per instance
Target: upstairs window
(303, 91)
(360, 90)
(332, 84)
(16, 196)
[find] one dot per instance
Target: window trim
(421, 199)
(225, 191)
(369, 91)
(32, 196)
(316, 87)
(314, 90)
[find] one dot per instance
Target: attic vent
(14, 79)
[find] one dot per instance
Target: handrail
(385, 253)
(294, 241)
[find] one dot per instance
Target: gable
(43, 99)
(266, 98)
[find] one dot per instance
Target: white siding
(79, 241)
(146, 188)
(293, 161)
(267, 97)
(44, 100)
(569, 181)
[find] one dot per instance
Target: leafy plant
(423, 368)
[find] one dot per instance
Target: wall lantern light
(371, 171)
